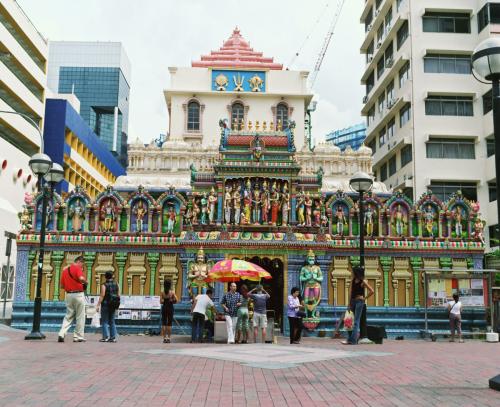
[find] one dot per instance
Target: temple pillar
(121, 259)
(24, 259)
(31, 259)
(386, 263)
(416, 264)
(324, 262)
(89, 258)
(184, 259)
(153, 262)
(57, 259)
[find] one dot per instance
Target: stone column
(295, 263)
(218, 287)
(325, 262)
(121, 259)
(89, 258)
(31, 259)
(184, 259)
(24, 260)
(153, 263)
(386, 263)
(445, 263)
(57, 259)
(416, 264)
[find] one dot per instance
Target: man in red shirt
(72, 281)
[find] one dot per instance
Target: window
(402, 34)
(388, 54)
(490, 147)
(193, 121)
(444, 189)
(449, 106)
(404, 74)
(404, 115)
(446, 22)
(398, 4)
(487, 102)
(373, 145)
(369, 53)
(389, 91)
(381, 100)
(388, 19)
(494, 232)
(392, 165)
(381, 137)
(238, 113)
(377, 4)
(443, 63)
(492, 191)
(490, 13)
(391, 127)
(383, 172)
(380, 66)
(406, 155)
(370, 82)
(371, 116)
(369, 19)
(380, 32)
(450, 148)
(282, 114)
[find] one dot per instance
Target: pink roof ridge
(236, 53)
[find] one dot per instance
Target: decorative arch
(430, 216)
(141, 205)
(278, 109)
(246, 108)
(460, 215)
(109, 218)
(167, 202)
(78, 204)
(341, 223)
(188, 127)
(55, 212)
(399, 213)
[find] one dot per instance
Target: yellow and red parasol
(235, 270)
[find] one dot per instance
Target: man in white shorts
(259, 298)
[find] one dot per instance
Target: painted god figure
(275, 205)
(196, 211)
(140, 211)
(341, 220)
(49, 224)
(227, 205)
(171, 220)
(247, 205)
(237, 204)
(212, 200)
(399, 220)
(317, 213)
(301, 220)
(204, 209)
(108, 216)
(369, 220)
(25, 218)
(256, 201)
(198, 274)
(264, 203)
(310, 281)
(285, 206)
(458, 218)
(308, 203)
(429, 221)
(77, 215)
(188, 215)
(479, 230)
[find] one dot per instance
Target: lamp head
(55, 174)
(40, 164)
(361, 182)
(486, 59)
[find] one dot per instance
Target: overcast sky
(157, 34)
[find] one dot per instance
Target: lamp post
(361, 183)
(42, 167)
(486, 64)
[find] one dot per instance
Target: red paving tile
(415, 373)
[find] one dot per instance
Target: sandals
(104, 340)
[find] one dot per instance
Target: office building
(23, 60)
(429, 121)
(98, 73)
(70, 142)
(352, 136)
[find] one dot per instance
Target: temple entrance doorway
(273, 286)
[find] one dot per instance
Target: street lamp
(43, 167)
(486, 64)
(361, 183)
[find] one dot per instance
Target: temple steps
(397, 321)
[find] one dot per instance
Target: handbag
(348, 320)
(96, 321)
(301, 314)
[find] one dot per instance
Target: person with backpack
(454, 311)
(167, 300)
(109, 302)
(75, 284)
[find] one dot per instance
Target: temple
(237, 179)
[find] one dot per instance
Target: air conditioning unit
(388, 28)
(391, 103)
(369, 58)
(379, 43)
(377, 12)
(389, 62)
(369, 27)
(365, 99)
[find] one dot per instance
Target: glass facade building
(353, 136)
(98, 74)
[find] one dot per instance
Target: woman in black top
(358, 286)
(168, 299)
(110, 287)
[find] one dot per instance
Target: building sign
(238, 81)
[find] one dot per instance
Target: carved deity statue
(77, 216)
(139, 212)
(212, 199)
(311, 277)
(429, 221)
(171, 220)
(317, 212)
(236, 198)
(265, 203)
(369, 220)
(227, 205)
(256, 202)
(341, 220)
(301, 220)
(188, 215)
(308, 203)
(458, 218)
(399, 220)
(204, 209)
(196, 211)
(479, 230)
(275, 205)
(109, 216)
(25, 218)
(285, 206)
(197, 275)
(247, 204)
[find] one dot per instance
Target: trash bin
(376, 333)
(270, 326)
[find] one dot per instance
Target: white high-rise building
(23, 68)
(429, 122)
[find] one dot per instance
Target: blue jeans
(357, 308)
(197, 329)
(108, 322)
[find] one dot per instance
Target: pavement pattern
(140, 370)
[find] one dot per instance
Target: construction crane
(326, 43)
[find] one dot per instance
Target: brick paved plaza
(140, 370)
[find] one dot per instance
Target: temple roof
(236, 53)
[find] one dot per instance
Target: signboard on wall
(238, 81)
